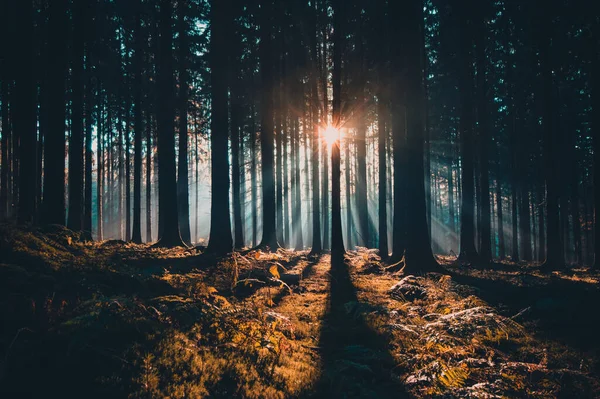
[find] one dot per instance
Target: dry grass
(126, 320)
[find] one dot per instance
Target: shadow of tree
(564, 310)
(356, 361)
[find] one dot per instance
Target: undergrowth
(112, 319)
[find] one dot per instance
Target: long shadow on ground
(355, 359)
(563, 310)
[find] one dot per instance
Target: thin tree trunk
(337, 242)
(381, 142)
(138, 129)
(485, 250)
(253, 177)
(100, 167)
(236, 128)
(183, 192)
(349, 241)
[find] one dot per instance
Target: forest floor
(112, 319)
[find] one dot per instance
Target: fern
(454, 377)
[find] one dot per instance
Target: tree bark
(269, 238)
(138, 128)
(25, 112)
(467, 252)
(337, 242)
(485, 250)
(54, 146)
(220, 241)
(418, 256)
(183, 192)
(555, 254)
(167, 172)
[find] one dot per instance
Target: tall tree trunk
(500, 215)
(148, 178)
(575, 206)
(381, 142)
(253, 177)
(127, 236)
(269, 238)
(54, 147)
(362, 202)
(120, 165)
(467, 252)
(279, 144)
(284, 93)
(167, 172)
(451, 206)
(349, 241)
(398, 101)
(220, 240)
(555, 254)
(337, 242)
(100, 167)
(299, 244)
(418, 256)
(183, 192)
(236, 131)
(596, 129)
(316, 216)
(525, 222)
(5, 78)
(316, 111)
(25, 112)
(5, 166)
(138, 128)
(485, 250)
(89, 108)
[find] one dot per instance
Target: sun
(331, 135)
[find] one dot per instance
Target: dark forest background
(466, 127)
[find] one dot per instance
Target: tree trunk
(381, 142)
(596, 129)
(399, 133)
(316, 111)
(100, 167)
(54, 146)
(138, 128)
(25, 112)
(253, 177)
(555, 254)
(89, 107)
(183, 192)
(500, 215)
(467, 252)
(220, 240)
(236, 131)
(485, 250)
(269, 238)
(337, 242)
(167, 172)
(349, 241)
(418, 256)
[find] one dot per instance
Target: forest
(299, 199)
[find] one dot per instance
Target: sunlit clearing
(330, 135)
